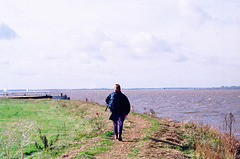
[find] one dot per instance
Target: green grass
(155, 124)
(134, 152)
(60, 122)
(98, 147)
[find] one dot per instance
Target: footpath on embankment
(75, 129)
(146, 136)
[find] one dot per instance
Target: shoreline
(85, 129)
(162, 88)
(200, 106)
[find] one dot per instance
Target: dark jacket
(118, 103)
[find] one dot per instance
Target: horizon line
(220, 87)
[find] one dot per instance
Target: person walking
(119, 106)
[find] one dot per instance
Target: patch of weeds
(176, 147)
(84, 154)
(108, 134)
(96, 123)
(185, 147)
(81, 113)
(190, 125)
(181, 134)
(97, 149)
(146, 138)
(134, 152)
(47, 143)
(103, 106)
(90, 152)
(134, 113)
(187, 151)
(62, 104)
(155, 124)
(106, 142)
(208, 142)
(58, 150)
(29, 150)
(90, 135)
(80, 135)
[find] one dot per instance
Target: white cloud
(147, 46)
(79, 44)
(191, 9)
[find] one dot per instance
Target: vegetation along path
(75, 129)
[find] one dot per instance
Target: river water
(207, 106)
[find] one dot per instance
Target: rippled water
(208, 106)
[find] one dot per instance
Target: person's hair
(117, 86)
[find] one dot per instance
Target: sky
(73, 44)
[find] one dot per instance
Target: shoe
(120, 139)
(116, 137)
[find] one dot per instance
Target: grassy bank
(75, 129)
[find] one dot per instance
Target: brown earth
(161, 144)
(164, 142)
(133, 134)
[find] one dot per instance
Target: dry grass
(209, 142)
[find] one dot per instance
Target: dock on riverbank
(33, 95)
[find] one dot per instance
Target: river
(207, 106)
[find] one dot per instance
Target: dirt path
(162, 143)
(133, 133)
(165, 141)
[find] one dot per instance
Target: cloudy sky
(138, 43)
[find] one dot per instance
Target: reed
(209, 142)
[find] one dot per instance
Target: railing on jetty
(33, 95)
